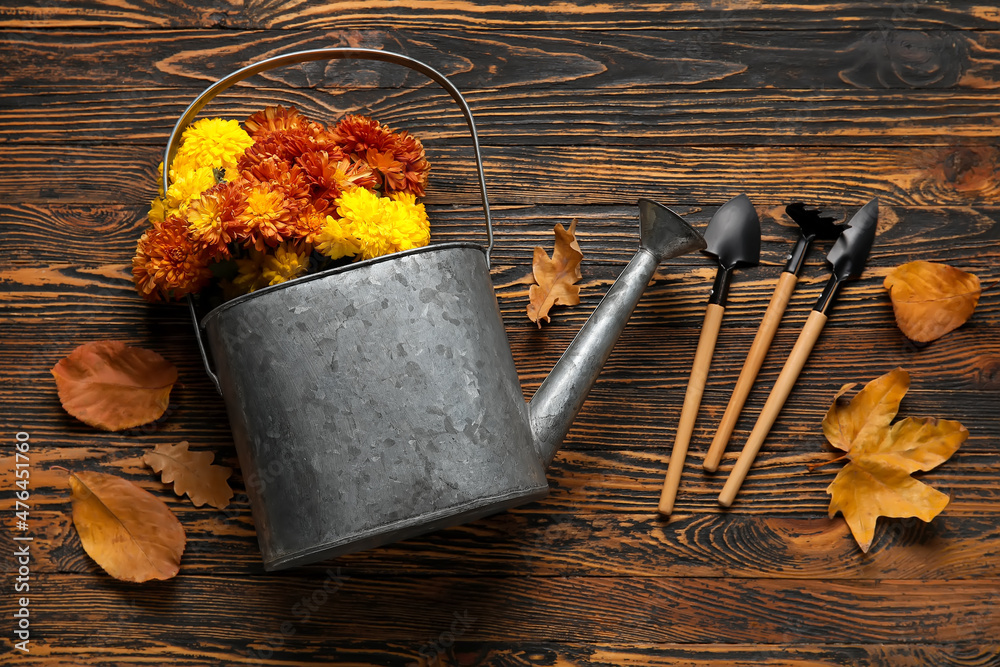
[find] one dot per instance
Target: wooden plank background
(582, 109)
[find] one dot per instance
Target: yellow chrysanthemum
(251, 274)
(382, 225)
(335, 240)
(286, 263)
(211, 142)
(187, 187)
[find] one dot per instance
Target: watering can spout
(662, 235)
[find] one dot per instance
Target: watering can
(377, 401)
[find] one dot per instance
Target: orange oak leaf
(555, 277)
(931, 299)
(128, 531)
(876, 481)
(111, 386)
(191, 473)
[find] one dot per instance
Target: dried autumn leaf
(128, 531)
(111, 386)
(555, 277)
(876, 481)
(930, 299)
(191, 473)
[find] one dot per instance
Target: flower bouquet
(279, 197)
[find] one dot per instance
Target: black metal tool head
(849, 254)
(733, 233)
(812, 224)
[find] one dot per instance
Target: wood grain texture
(965, 176)
(554, 117)
(582, 109)
(385, 14)
(568, 59)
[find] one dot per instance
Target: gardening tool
(733, 236)
(847, 258)
(811, 226)
(379, 400)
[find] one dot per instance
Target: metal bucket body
(374, 403)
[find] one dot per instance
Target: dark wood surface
(582, 108)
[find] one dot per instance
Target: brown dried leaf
(113, 387)
(555, 277)
(876, 481)
(192, 473)
(930, 299)
(126, 530)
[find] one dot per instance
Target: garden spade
(812, 226)
(733, 236)
(847, 259)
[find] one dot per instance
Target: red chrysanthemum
(397, 158)
(167, 263)
(357, 134)
(277, 119)
(286, 145)
(330, 175)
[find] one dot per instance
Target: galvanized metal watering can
(378, 401)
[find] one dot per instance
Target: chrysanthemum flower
(331, 175)
(216, 219)
(267, 215)
(410, 151)
(382, 225)
(387, 169)
(335, 239)
(357, 134)
(307, 225)
(278, 119)
(211, 142)
(287, 178)
(167, 264)
(250, 274)
(186, 187)
(398, 158)
(288, 261)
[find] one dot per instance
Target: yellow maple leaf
(555, 277)
(930, 299)
(876, 481)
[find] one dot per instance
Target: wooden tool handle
(692, 401)
(755, 359)
(775, 401)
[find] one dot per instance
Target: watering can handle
(333, 53)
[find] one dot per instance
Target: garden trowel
(733, 236)
(847, 259)
(812, 226)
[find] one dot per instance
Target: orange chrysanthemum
(387, 169)
(329, 176)
(167, 264)
(268, 216)
(357, 134)
(289, 179)
(307, 225)
(216, 219)
(410, 151)
(277, 119)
